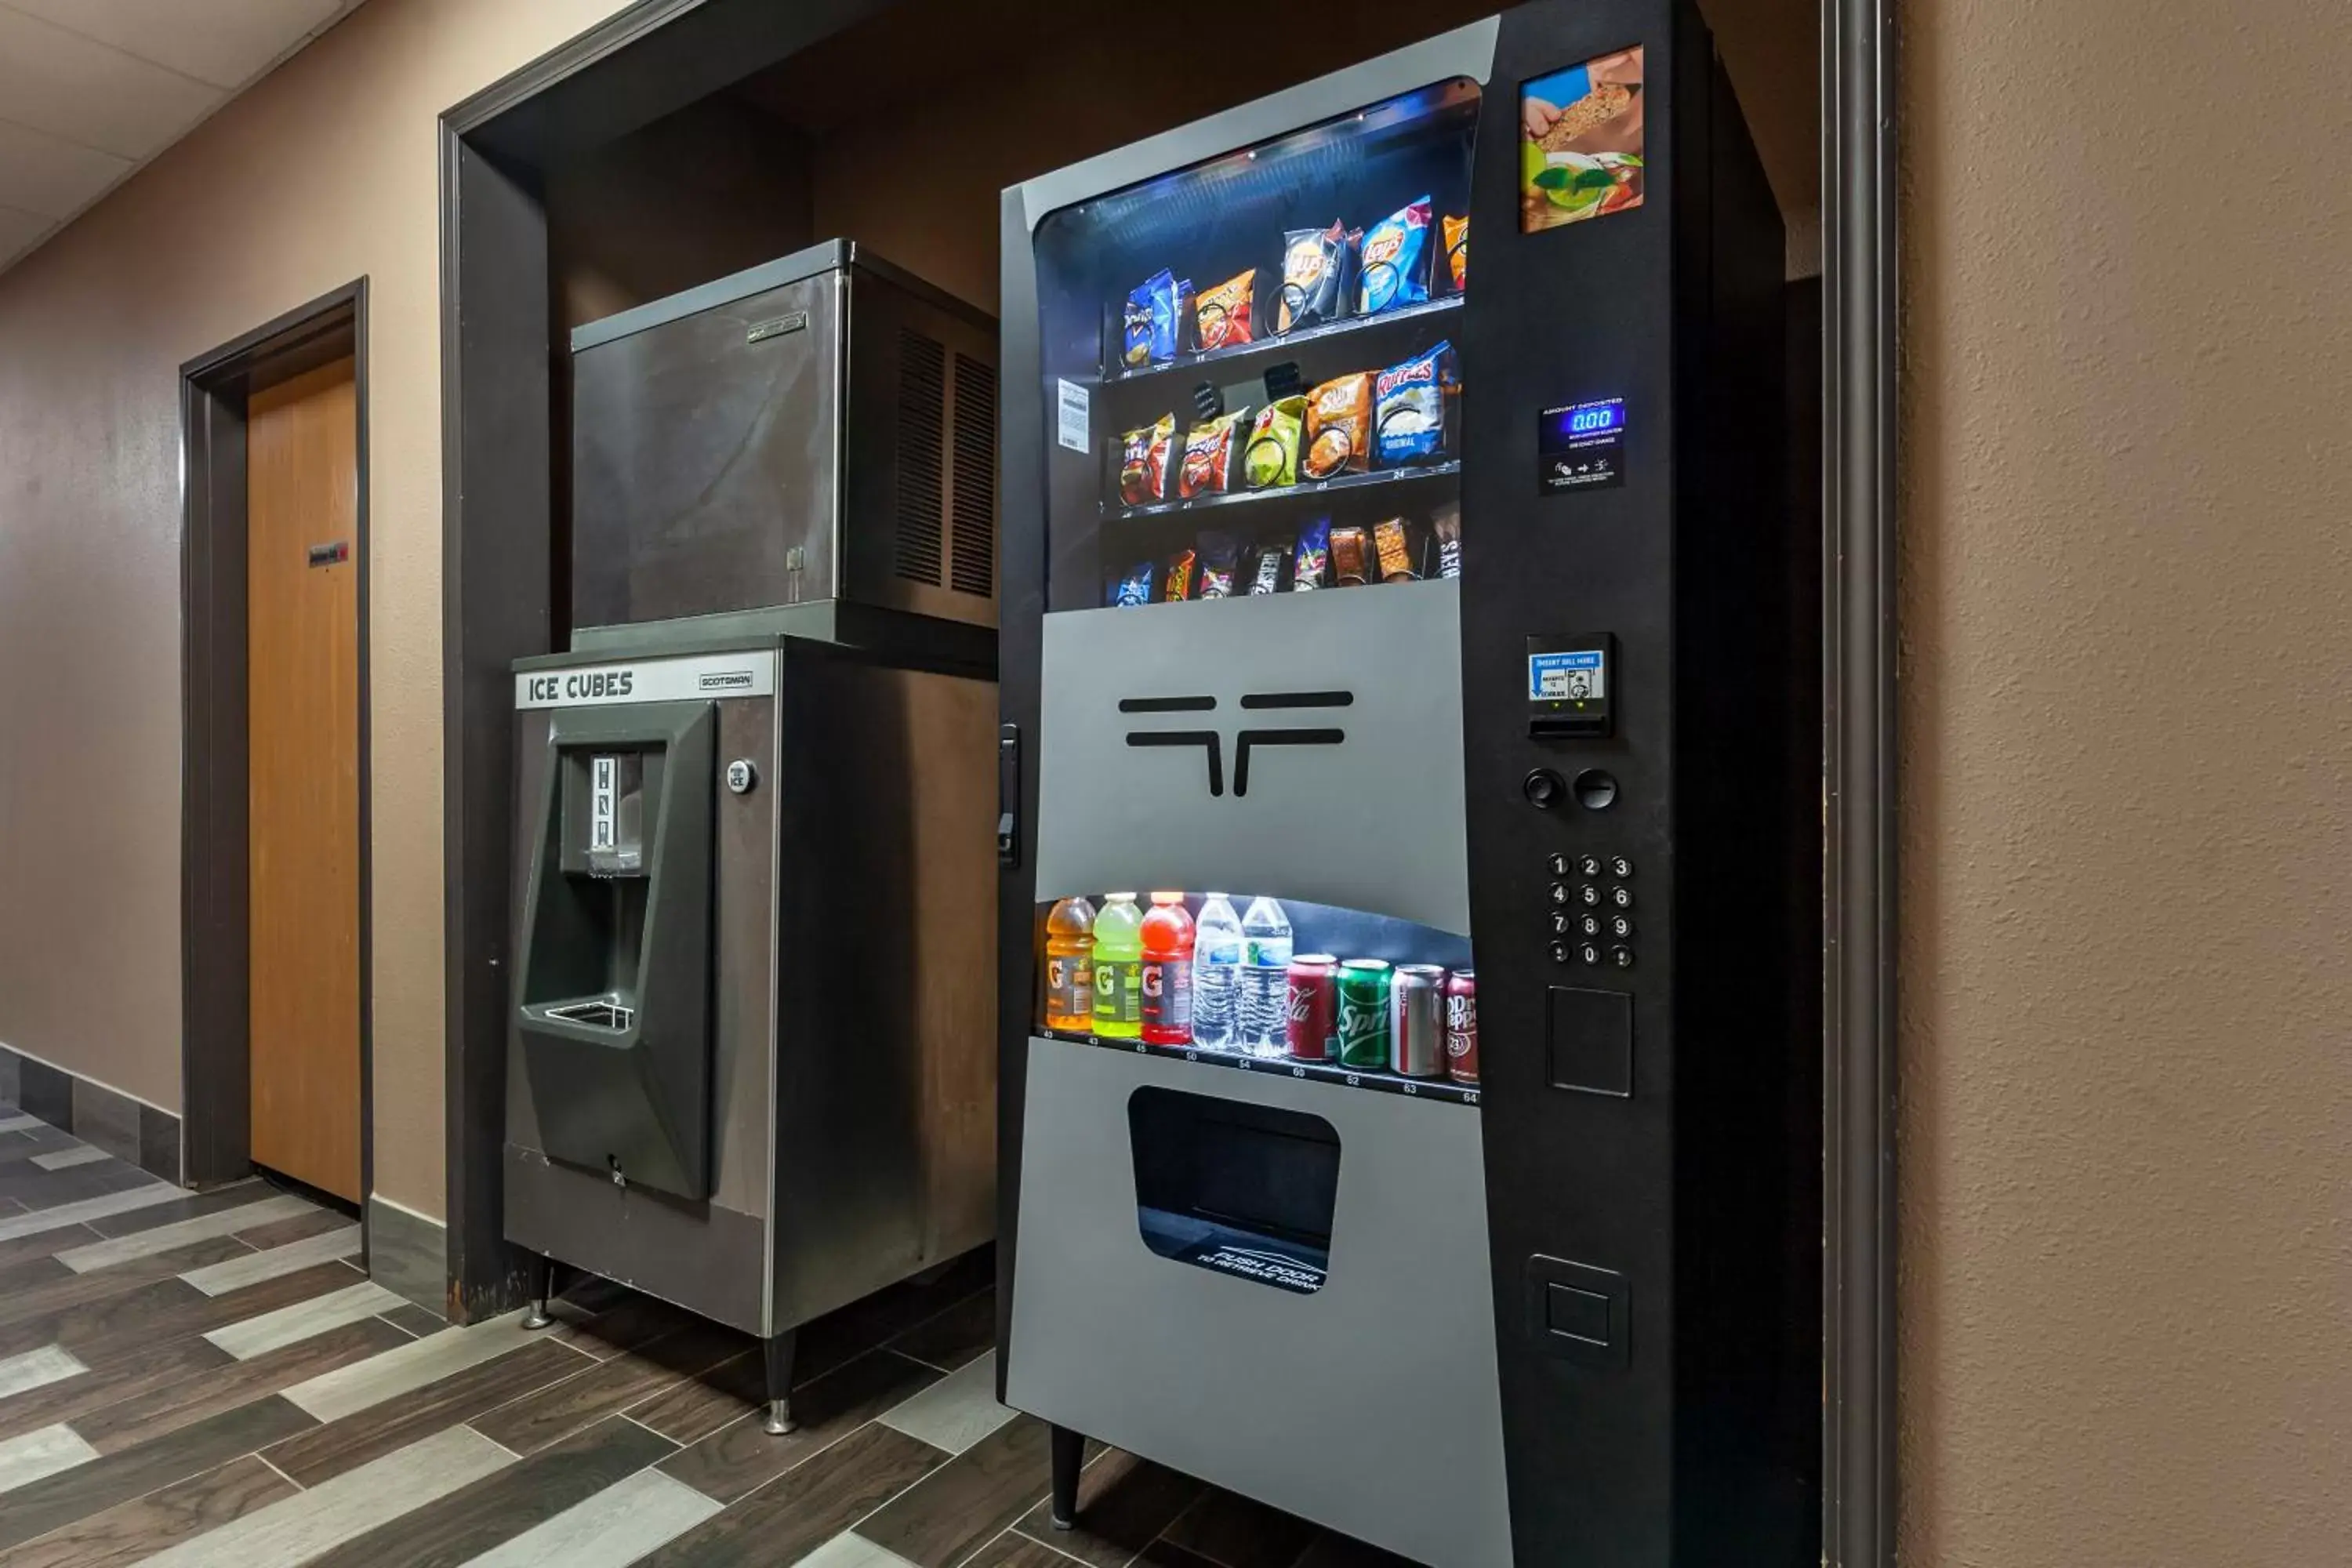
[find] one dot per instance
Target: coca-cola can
(1462, 1027)
(1313, 1002)
(1417, 1021)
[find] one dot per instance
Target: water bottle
(1266, 979)
(1216, 974)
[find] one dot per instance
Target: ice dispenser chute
(613, 978)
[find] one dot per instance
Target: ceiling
(91, 90)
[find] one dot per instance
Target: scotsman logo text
(726, 680)
(1245, 741)
(582, 684)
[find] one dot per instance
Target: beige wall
(2127, 592)
(326, 171)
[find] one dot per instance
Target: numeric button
(1557, 863)
(1558, 893)
(1560, 953)
(1620, 867)
(1620, 956)
(1588, 953)
(1588, 895)
(1590, 865)
(1621, 928)
(1620, 897)
(1589, 925)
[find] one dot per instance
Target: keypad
(1596, 912)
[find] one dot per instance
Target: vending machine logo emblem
(1245, 740)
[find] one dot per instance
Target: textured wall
(2127, 591)
(325, 171)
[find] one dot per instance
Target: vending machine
(1399, 1006)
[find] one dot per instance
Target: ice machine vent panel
(972, 503)
(922, 422)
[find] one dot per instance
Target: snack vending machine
(1401, 1018)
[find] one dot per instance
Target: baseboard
(126, 1128)
(408, 1254)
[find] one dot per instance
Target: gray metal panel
(1374, 823)
(702, 1257)
(1370, 1405)
(1467, 51)
(831, 255)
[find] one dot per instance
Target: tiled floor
(211, 1383)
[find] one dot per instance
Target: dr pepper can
(1462, 1027)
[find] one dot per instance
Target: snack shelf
(1303, 334)
(1438, 1089)
(1304, 488)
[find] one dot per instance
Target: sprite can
(1363, 1009)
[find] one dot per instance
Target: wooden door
(302, 662)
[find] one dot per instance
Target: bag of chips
(1413, 400)
(1222, 319)
(1338, 426)
(1209, 455)
(1144, 462)
(1398, 549)
(1351, 564)
(1149, 323)
(1315, 267)
(1456, 231)
(1218, 552)
(1132, 588)
(1396, 259)
(1314, 562)
(1271, 457)
(1178, 581)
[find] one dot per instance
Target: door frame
(215, 891)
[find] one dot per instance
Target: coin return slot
(1243, 1190)
(598, 1014)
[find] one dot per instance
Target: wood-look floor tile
(738, 1459)
(1010, 1550)
(66, 1159)
(70, 1398)
(153, 1413)
(1331, 1550)
(612, 1529)
(112, 1478)
(252, 1268)
(415, 1320)
(18, 1148)
(531, 1423)
(955, 1412)
(404, 1418)
(1124, 1504)
(841, 1336)
(93, 1212)
(477, 1518)
(807, 1506)
(851, 1549)
(632, 1321)
(965, 1504)
(60, 1290)
(42, 1452)
(44, 1245)
(266, 1332)
(28, 1369)
(20, 1121)
(1165, 1553)
(183, 1204)
(294, 1531)
(39, 1190)
(128, 1531)
(25, 1273)
(952, 1339)
(156, 1239)
(411, 1367)
(1241, 1532)
(695, 1407)
(134, 1322)
(300, 1227)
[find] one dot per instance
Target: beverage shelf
(1303, 334)
(1437, 1088)
(1304, 488)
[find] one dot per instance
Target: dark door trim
(496, 518)
(217, 1076)
(1859, 543)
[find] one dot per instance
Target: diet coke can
(1462, 1027)
(1313, 1000)
(1416, 1021)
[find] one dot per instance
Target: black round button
(1544, 788)
(1559, 894)
(1620, 867)
(1620, 927)
(1588, 924)
(1596, 789)
(1590, 953)
(1558, 925)
(1557, 863)
(1560, 953)
(1621, 896)
(1589, 865)
(1589, 895)
(1621, 956)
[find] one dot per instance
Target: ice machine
(1403, 1086)
(751, 1067)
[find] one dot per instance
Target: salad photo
(1580, 142)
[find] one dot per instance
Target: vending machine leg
(778, 1354)
(542, 1287)
(1069, 1453)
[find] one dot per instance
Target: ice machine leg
(778, 1354)
(1070, 1452)
(542, 1287)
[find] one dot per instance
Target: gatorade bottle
(1118, 968)
(1216, 974)
(1070, 966)
(1168, 971)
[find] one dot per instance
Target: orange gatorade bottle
(1070, 966)
(1167, 939)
